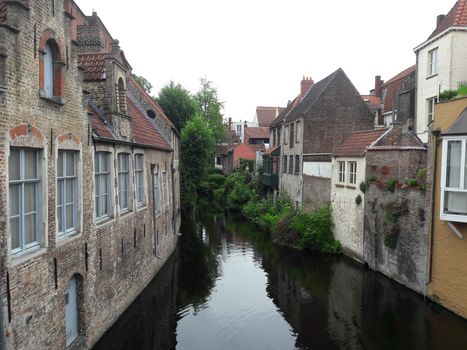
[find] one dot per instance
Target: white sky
(256, 51)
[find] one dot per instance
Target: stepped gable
(457, 17)
(142, 130)
(93, 66)
(357, 144)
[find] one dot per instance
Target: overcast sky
(256, 51)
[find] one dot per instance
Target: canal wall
(396, 237)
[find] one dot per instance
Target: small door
(71, 312)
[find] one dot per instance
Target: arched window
(48, 71)
(121, 96)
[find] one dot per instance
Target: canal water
(227, 287)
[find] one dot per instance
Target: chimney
(305, 85)
(230, 123)
(378, 86)
(439, 20)
(245, 125)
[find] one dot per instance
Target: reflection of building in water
(149, 323)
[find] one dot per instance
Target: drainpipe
(2, 333)
(435, 143)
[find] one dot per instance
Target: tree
(144, 83)
(177, 104)
(209, 107)
(197, 146)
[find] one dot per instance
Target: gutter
(128, 143)
(446, 31)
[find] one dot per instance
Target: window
(433, 62)
(239, 130)
(218, 160)
(139, 179)
(124, 182)
(24, 201)
(290, 164)
(297, 165)
(341, 172)
(121, 96)
(279, 136)
(102, 178)
(292, 132)
(286, 133)
(156, 194)
(297, 133)
(48, 71)
(67, 192)
(165, 190)
(454, 180)
(274, 137)
(285, 165)
(431, 109)
(352, 172)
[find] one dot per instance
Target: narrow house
(448, 166)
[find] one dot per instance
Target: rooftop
(357, 144)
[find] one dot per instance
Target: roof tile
(93, 65)
(357, 143)
(456, 17)
(266, 115)
(257, 133)
(395, 85)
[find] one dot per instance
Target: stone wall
(396, 239)
(316, 192)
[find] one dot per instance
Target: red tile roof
(372, 100)
(357, 143)
(270, 150)
(93, 65)
(267, 114)
(151, 101)
(3, 12)
(393, 86)
(142, 130)
(456, 17)
(257, 133)
(99, 126)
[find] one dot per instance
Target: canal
(227, 287)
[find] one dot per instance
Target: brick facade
(112, 261)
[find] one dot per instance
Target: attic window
(151, 114)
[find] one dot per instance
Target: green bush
(358, 200)
(363, 186)
(411, 182)
(447, 95)
(239, 196)
(391, 184)
(462, 89)
(372, 178)
(316, 230)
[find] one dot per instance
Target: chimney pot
(305, 85)
(378, 86)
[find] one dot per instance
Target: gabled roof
(266, 115)
(142, 130)
(312, 96)
(93, 66)
(3, 12)
(459, 127)
(357, 144)
(457, 17)
(257, 133)
(395, 86)
(286, 111)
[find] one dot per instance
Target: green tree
(177, 104)
(197, 147)
(144, 83)
(210, 108)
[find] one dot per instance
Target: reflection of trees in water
(149, 323)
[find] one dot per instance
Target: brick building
(89, 182)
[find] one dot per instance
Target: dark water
(228, 287)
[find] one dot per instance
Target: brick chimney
(439, 20)
(305, 85)
(378, 86)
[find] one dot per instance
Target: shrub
(462, 89)
(391, 184)
(239, 196)
(411, 182)
(447, 95)
(363, 186)
(358, 200)
(372, 178)
(316, 230)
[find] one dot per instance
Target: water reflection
(235, 290)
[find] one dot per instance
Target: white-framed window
(352, 172)
(165, 190)
(102, 182)
(123, 162)
(67, 192)
(341, 166)
(156, 193)
(433, 62)
(24, 199)
(430, 109)
(139, 179)
(454, 179)
(48, 71)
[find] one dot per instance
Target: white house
(441, 64)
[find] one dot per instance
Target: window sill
(58, 100)
(23, 257)
(124, 213)
(352, 187)
(65, 239)
(454, 218)
(340, 185)
(431, 76)
(141, 207)
(104, 221)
